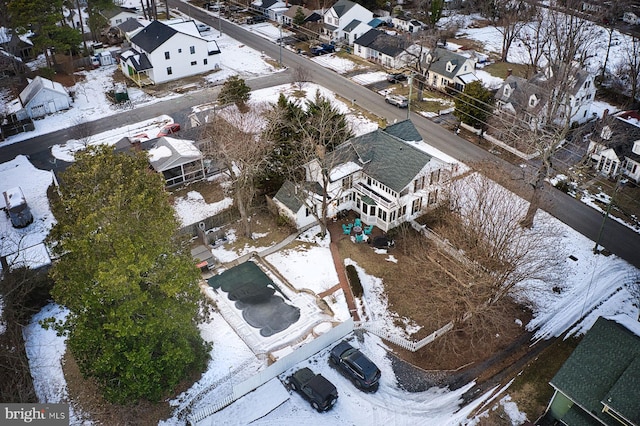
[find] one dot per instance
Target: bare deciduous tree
(234, 139)
(484, 255)
(628, 68)
(300, 76)
(322, 128)
(82, 130)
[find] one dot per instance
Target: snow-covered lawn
(592, 285)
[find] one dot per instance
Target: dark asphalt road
(616, 238)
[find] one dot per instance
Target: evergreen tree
(474, 104)
(130, 286)
(284, 131)
(235, 91)
(298, 18)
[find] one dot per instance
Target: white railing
(366, 191)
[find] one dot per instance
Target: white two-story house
(163, 52)
(614, 146)
(526, 99)
(444, 68)
(340, 15)
(383, 176)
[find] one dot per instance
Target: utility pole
(606, 214)
(219, 21)
(280, 43)
(410, 90)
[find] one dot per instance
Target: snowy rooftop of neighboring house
(186, 27)
(5, 36)
(38, 84)
(170, 152)
(343, 170)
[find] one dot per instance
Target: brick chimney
(509, 71)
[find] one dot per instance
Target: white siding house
(381, 175)
(341, 14)
(42, 97)
(161, 53)
(445, 68)
(118, 15)
(614, 147)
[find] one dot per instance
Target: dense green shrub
(354, 281)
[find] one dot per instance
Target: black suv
(356, 366)
(320, 392)
(396, 77)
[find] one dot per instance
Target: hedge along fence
(354, 281)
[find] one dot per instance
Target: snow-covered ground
(592, 283)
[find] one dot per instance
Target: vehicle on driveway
(397, 100)
(354, 365)
(396, 77)
(169, 129)
(203, 28)
(323, 49)
(320, 392)
(17, 207)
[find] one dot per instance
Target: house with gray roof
(383, 175)
(341, 14)
(385, 49)
(599, 384)
(117, 15)
(444, 69)
(163, 52)
(614, 145)
(526, 99)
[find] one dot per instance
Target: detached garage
(42, 97)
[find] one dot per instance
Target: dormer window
(606, 133)
(533, 101)
(507, 91)
(451, 66)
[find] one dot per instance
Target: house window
(205, 61)
(194, 63)
(169, 71)
(179, 50)
(433, 197)
(307, 212)
(192, 49)
(167, 55)
(418, 184)
(435, 177)
(372, 210)
(416, 206)
(382, 215)
(532, 101)
(507, 91)
(403, 211)
(347, 182)
(392, 215)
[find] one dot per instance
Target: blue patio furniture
(368, 229)
(357, 222)
(359, 238)
(346, 229)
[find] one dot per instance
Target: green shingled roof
(287, 195)
(605, 365)
(385, 158)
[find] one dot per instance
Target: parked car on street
(17, 208)
(256, 19)
(354, 365)
(320, 392)
(397, 100)
(169, 129)
(396, 77)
